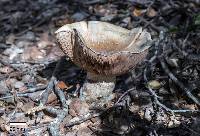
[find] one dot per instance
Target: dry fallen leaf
(19, 84)
(35, 109)
(46, 119)
(138, 12)
(13, 52)
(10, 82)
(27, 106)
(62, 85)
(33, 53)
(10, 39)
(104, 10)
(6, 70)
(54, 54)
(45, 41)
(64, 19)
(78, 107)
(151, 12)
(3, 88)
(84, 132)
(52, 97)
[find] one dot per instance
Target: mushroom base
(97, 89)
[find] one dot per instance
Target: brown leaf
(52, 97)
(62, 85)
(138, 12)
(151, 12)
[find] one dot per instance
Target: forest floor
(160, 97)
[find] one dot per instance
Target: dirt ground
(40, 88)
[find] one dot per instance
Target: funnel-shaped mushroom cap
(103, 48)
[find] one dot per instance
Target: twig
(32, 62)
(193, 131)
(3, 46)
(152, 92)
(165, 107)
(24, 94)
(38, 88)
(8, 64)
(190, 56)
(90, 116)
(50, 85)
(149, 23)
(54, 126)
(123, 95)
(156, 99)
(47, 91)
(83, 119)
(176, 81)
(61, 96)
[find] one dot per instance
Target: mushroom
(105, 51)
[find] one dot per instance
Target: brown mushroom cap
(103, 48)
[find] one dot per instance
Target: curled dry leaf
(62, 85)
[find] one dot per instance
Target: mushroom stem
(98, 87)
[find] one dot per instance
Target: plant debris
(41, 89)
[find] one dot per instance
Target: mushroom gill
(104, 50)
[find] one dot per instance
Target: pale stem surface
(98, 88)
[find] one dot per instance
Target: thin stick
(176, 81)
